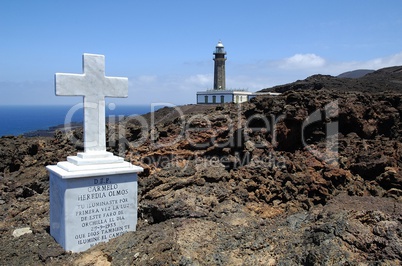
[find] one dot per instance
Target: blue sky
(165, 47)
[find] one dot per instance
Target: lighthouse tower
(219, 70)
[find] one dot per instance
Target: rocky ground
(311, 177)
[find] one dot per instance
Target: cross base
(68, 170)
(102, 157)
(94, 162)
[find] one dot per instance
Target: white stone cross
(94, 86)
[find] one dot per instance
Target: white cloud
(147, 78)
(377, 63)
(301, 61)
(204, 80)
(301, 66)
(175, 89)
(335, 68)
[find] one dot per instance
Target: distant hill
(356, 73)
(385, 79)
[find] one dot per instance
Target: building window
(206, 98)
(214, 99)
(237, 99)
(222, 99)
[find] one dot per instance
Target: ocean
(17, 119)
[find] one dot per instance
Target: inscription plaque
(90, 210)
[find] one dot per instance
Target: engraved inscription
(103, 211)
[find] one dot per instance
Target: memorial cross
(94, 86)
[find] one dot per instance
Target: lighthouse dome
(220, 49)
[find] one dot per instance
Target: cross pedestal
(93, 195)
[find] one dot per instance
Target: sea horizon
(18, 120)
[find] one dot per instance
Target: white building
(223, 96)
